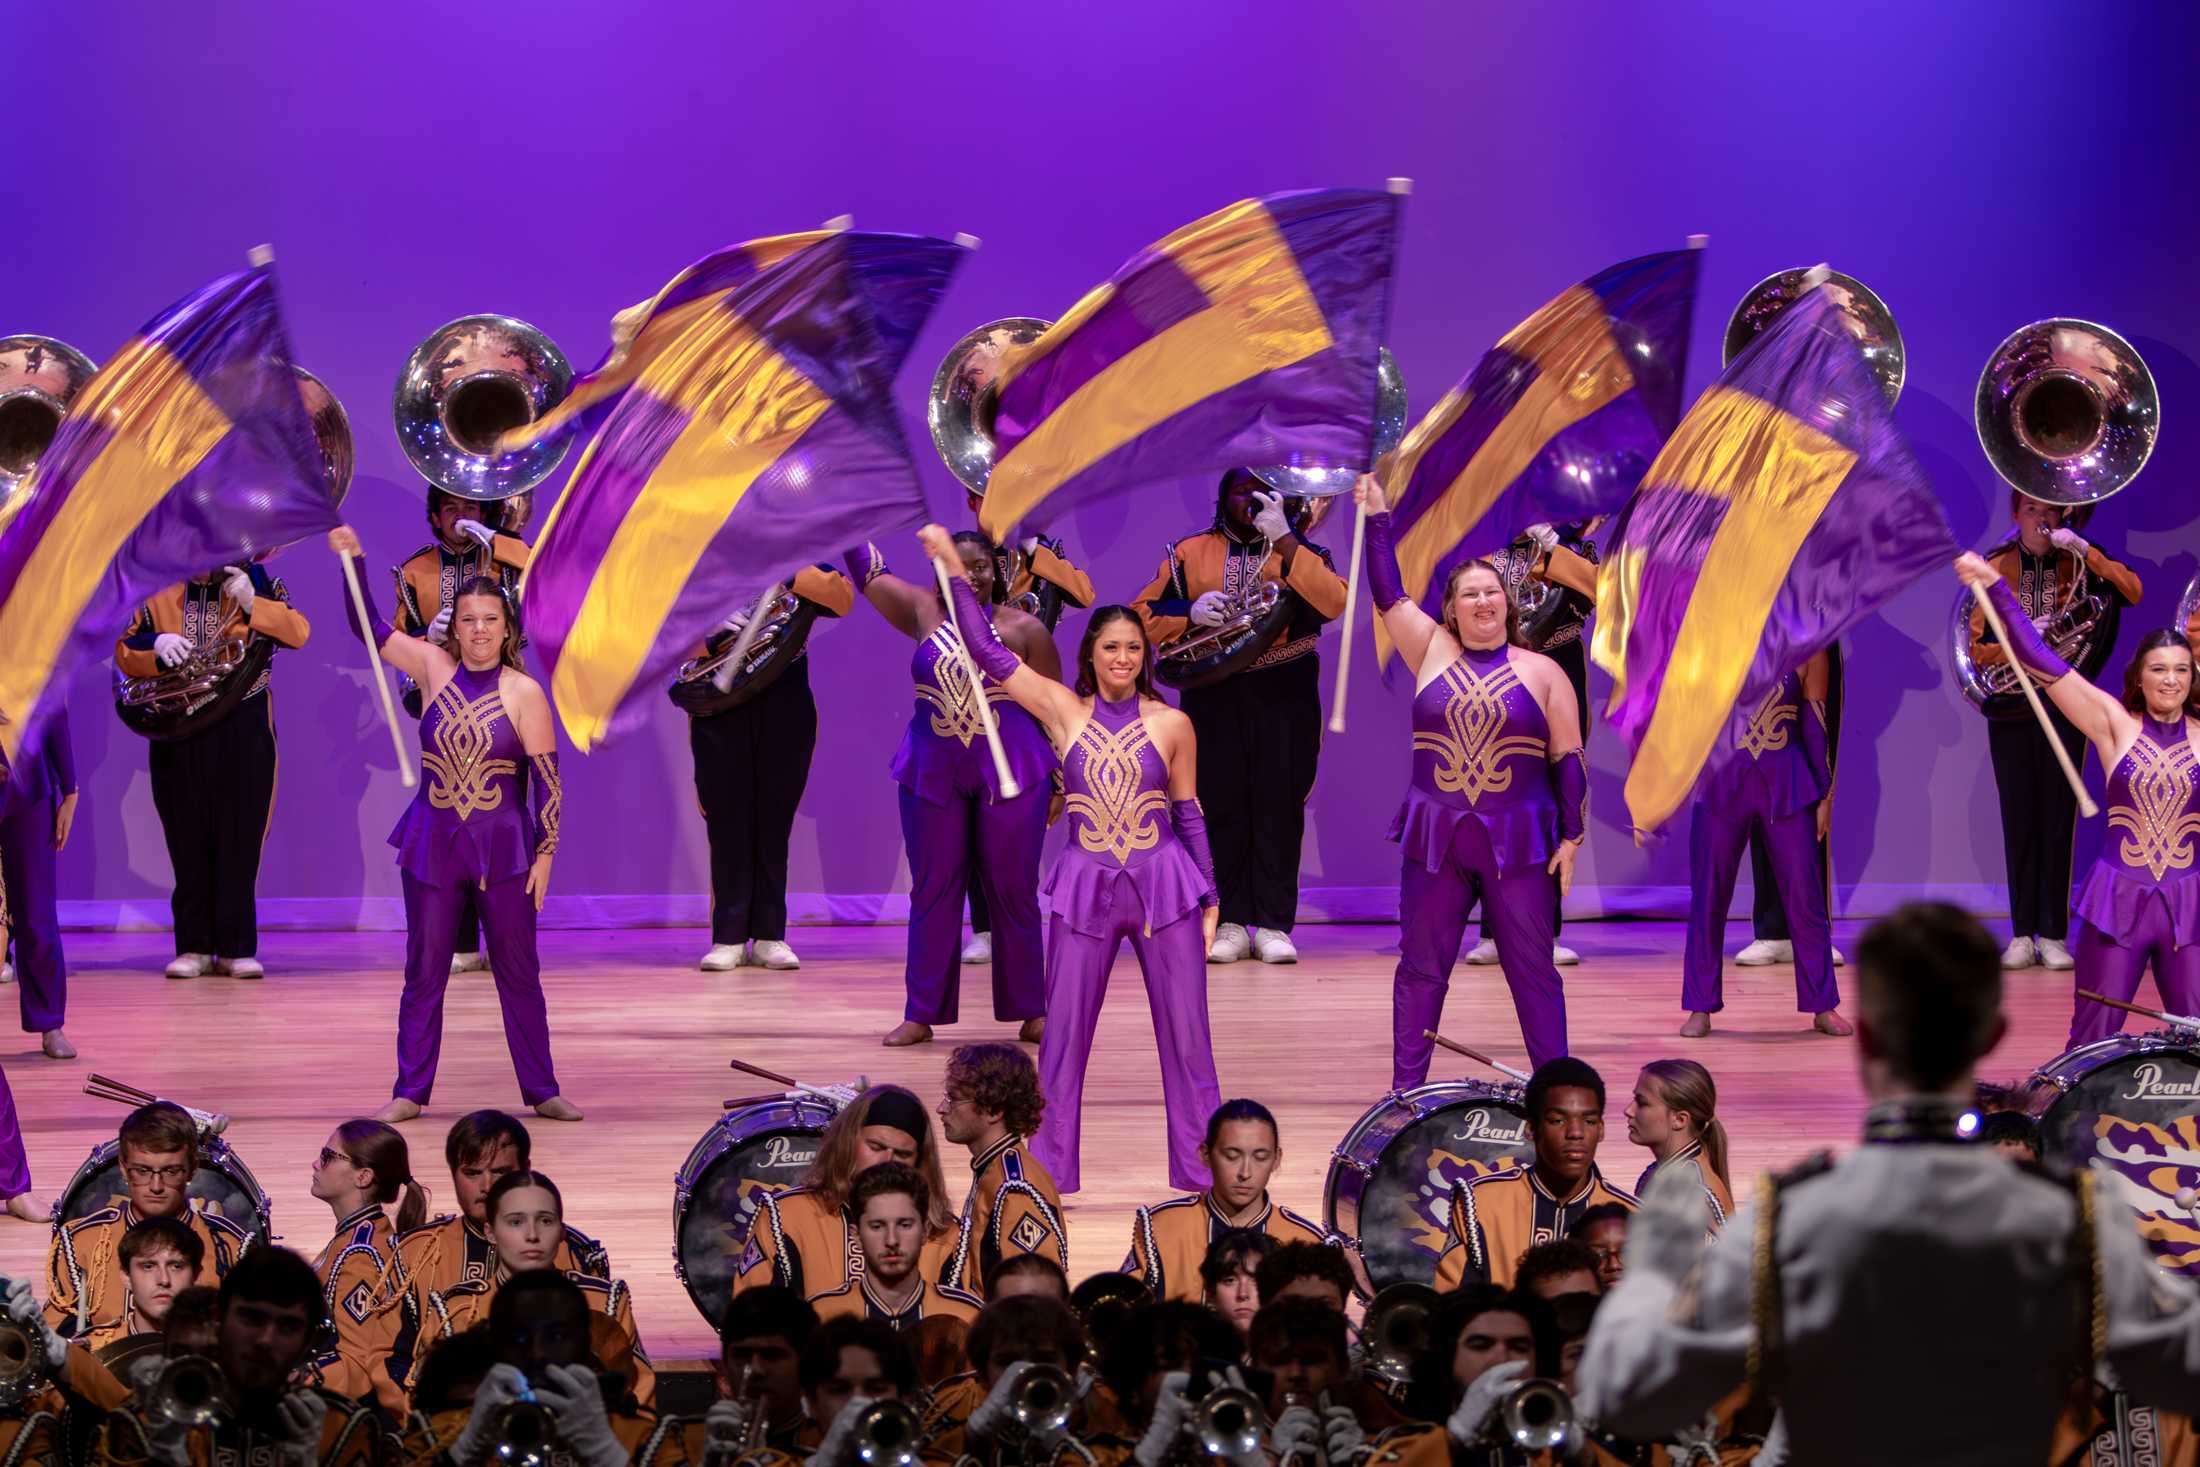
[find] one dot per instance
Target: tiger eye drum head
(1390, 1179)
(765, 1147)
(2128, 1106)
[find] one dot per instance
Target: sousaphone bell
(39, 377)
(1862, 311)
(471, 381)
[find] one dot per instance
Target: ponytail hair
(381, 1149)
(1687, 1085)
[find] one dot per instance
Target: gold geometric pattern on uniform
(2160, 819)
(1118, 815)
(957, 712)
(1470, 758)
(461, 773)
(1767, 727)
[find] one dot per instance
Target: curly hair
(998, 1079)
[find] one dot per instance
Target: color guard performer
(1127, 758)
(363, 1166)
(1262, 727)
(1496, 1218)
(214, 789)
(487, 744)
(38, 798)
(751, 764)
(2139, 907)
(1498, 806)
(2050, 568)
(15, 1163)
(992, 1104)
(1241, 1152)
(951, 800)
(891, 1205)
(1672, 1114)
(1770, 939)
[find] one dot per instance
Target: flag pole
(745, 639)
(374, 660)
(1009, 788)
(1351, 603)
(2086, 807)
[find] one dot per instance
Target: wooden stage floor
(642, 1041)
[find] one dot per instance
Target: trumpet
(1316, 1453)
(1394, 1331)
(889, 1434)
(525, 1434)
(1537, 1417)
(1043, 1400)
(734, 1440)
(1228, 1423)
(189, 1391)
(22, 1363)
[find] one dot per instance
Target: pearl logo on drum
(2148, 1084)
(1476, 1125)
(780, 1152)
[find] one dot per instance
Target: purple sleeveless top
(1116, 794)
(469, 821)
(944, 748)
(1480, 752)
(1771, 758)
(2153, 818)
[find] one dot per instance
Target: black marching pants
(751, 763)
(1260, 740)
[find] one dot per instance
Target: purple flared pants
(431, 932)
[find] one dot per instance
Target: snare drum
(2128, 1106)
(223, 1183)
(1390, 1179)
(759, 1148)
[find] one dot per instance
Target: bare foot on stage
(558, 1108)
(30, 1208)
(56, 1045)
(398, 1111)
(908, 1032)
(1831, 1022)
(1033, 1031)
(1697, 1027)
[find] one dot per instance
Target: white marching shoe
(1483, 954)
(188, 965)
(723, 957)
(770, 952)
(1563, 956)
(469, 962)
(978, 952)
(1838, 960)
(1232, 943)
(1764, 952)
(7, 972)
(239, 968)
(1271, 946)
(2055, 956)
(2020, 953)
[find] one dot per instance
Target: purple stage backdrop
(1980, 165)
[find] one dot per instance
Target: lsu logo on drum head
(2147, 1164)
(781, 1152)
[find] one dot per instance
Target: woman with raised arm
(1498, 804)
(950, 791)
(486, 816)
(1137, 866)
(2139, 907)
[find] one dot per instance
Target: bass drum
(2128, 1106)
(760, 1147)
(1390, 1178)
(224, 1184)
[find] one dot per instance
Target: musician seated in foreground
(1963, 1255)
(1495, 1218)
(2012, 1134)
(1315, 1403)
(1604, 1229)
(1230, 1275)
(1672, 1114)
(849, 1365)
(992, 1104)
(157, 1148)
(362, 1166)
(890, 1204)
(270, 1311)
(214, 788)
(1483, 1343)
(1561, 1266)
(1241, 1152)
(1149, 1364)
(161, 1257)
(1306, 1271)
(759, 1358)
(974, 1415)
(1030, 1274)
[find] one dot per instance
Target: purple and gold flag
(1556, 424)
(1785, 509)
(752, 434)
(189, 450)
(1248, 337)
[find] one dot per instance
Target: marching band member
(15, 1162)
(951, 800)
(848, 1365)
(1483, 1344)
(1778, 785)
(1262, 726)
(161, 1257)
(1149, 1366)
(362, 1166)
(1498, 806)
(1316, 1406)
(1229, 1276)
(157, 1148)
(486, 743)
(761, 1341)
(1306, 1271)
(751, 764)
(214, 789)
(1671, 1114)
(2048, 566)
(1127, 758)
(38, 798)
(971, 1418)
(804, 1238)
(991, 1104)
(1240, 1153)
(1604, 1228)
(892, 1204)
(1556, 1268)
(2140, 904)
(1495, 1218)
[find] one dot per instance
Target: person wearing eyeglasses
(158, 1148)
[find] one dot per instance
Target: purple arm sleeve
(993, 659)
(2024, 638)
(60, 754)
(865, 565)
(1383, 580)
(1570, 787)
(1191, 828)
(380, 630)
(548, 797)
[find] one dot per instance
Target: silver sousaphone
(39, 377)
(1862, 311)
(959, 410)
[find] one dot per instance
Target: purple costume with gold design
(30, 792)
(2140, 904)
(15, 1166)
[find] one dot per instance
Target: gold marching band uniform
(1012, 1209)
(429, 579)
(352, 1436)
(1169, 1241)
(854, 1299)
(86, 1289)
(363, 1304)
(799, 1243)
(1498, 1217)
(612, 1337)
(441, 1254)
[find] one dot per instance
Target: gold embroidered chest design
(955, 712)
(2159, 819)
(1767, 728)
(461, 774)
(1472, 748)
(1117, 817)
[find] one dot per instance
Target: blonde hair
(1686, 1085)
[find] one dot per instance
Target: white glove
(993, 1412)
(1488, 1392)
(2069, 540)
(299, 1417)
(170, 1440)
(1211, 609)
(841, 1096)
(575, 1400)
(1298, 1429)
(476, 531)
(839, 1447)
(1172, 1412)
(1270, 519)
(238, 588)
(1343, 1433)
(1029, 545)
(1546, 538)
(22, 1307)
(171, 648)
(439, 630)
(499, 1388)
(723, 1424)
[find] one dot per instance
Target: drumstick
(105, 1088)
(1009, 788)
(1457, 1048)
(763, 1074)
(1351, 603)
(741, 1102)
(2086, 806)
(381, 684)
(2180, 1021)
